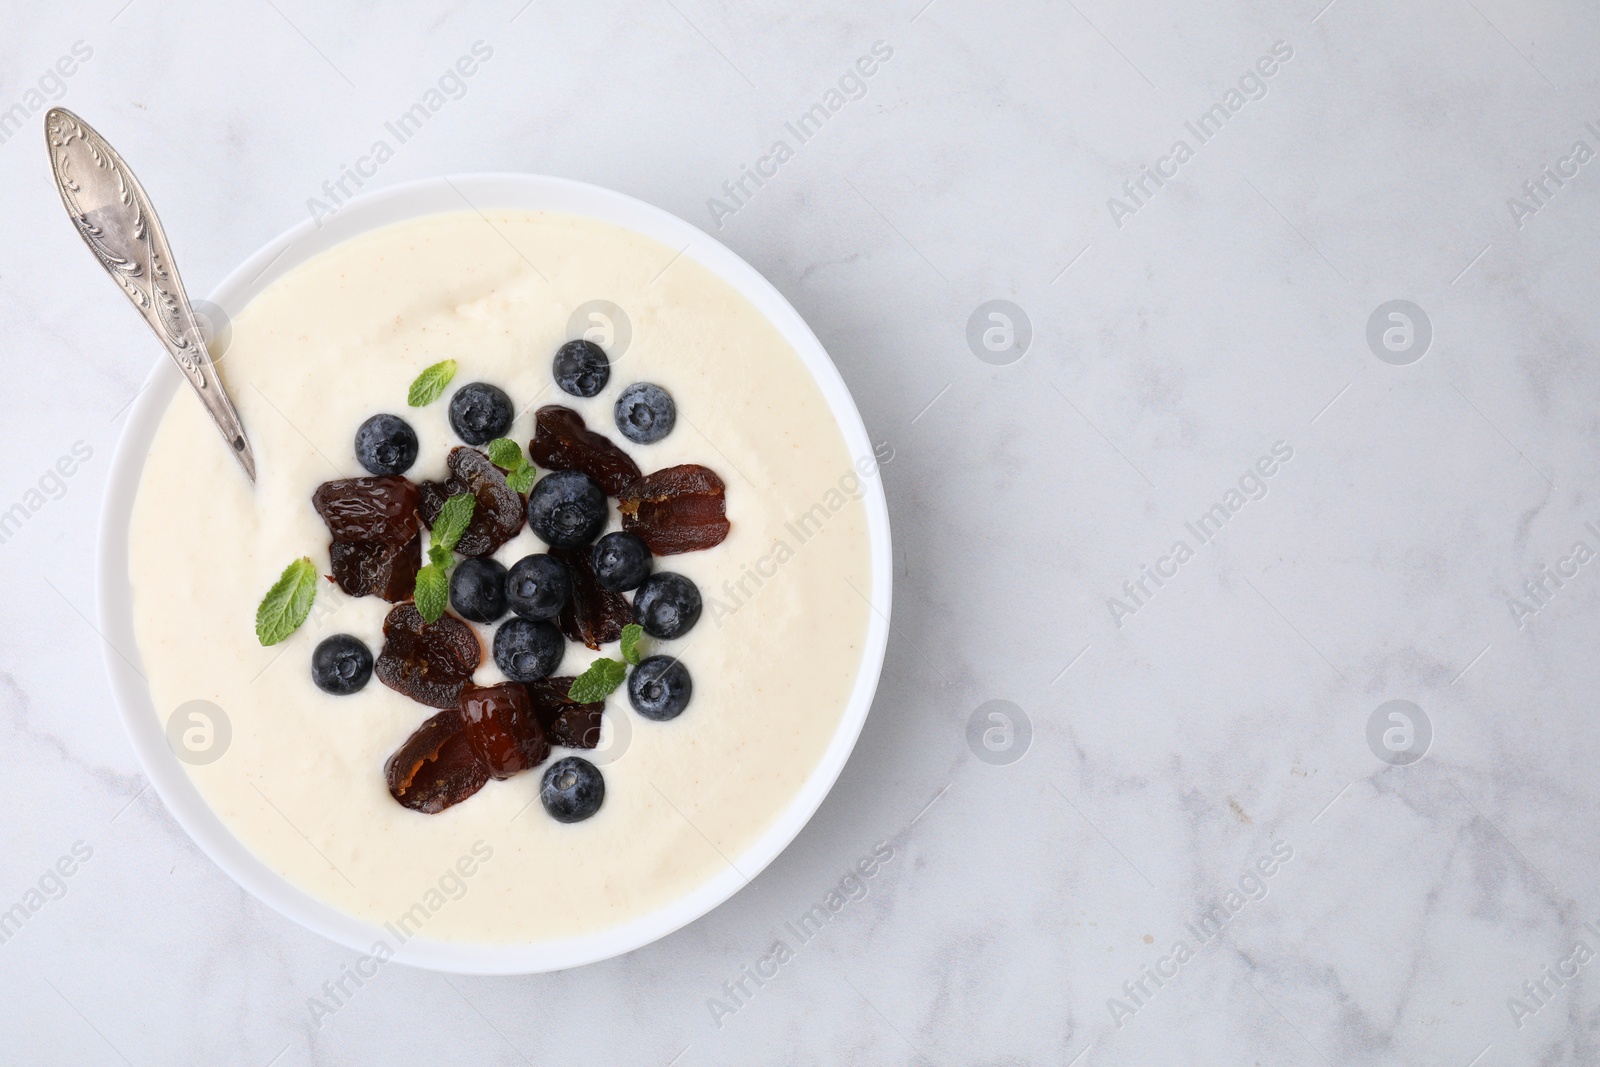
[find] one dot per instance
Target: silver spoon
(114, 217)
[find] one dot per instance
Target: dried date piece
(427, 662)
(678, 509)
(436, 767)
(561, 442)
(364, 568)
(592, 614)
(502, 728)
(567, 722)
(369, 509)
(499, 513)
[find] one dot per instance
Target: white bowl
(167, 774)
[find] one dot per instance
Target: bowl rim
(361, 214)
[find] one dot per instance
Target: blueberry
(538, 587)
(478, 589)
(581, 368)
(621, 561)
(567, 509)
(528, 651)
(572, 789)
(479, 413)
(386, 444)
(341, 665)
(667, 605)
(660, 688)
(645, 413)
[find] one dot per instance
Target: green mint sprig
(430, 384)
(598, 682)
(604, 675)
(433, 593)
(631, 634)
(433, 584)
(507, 455)
(287, 603)
(454, 517)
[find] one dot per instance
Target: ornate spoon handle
(114, 217)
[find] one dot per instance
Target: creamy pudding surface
(774, 655)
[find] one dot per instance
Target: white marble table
(1189, 732)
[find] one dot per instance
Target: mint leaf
(630, 642)
(433, 587)
(598, 682)
(287, 603)
(433, 593)
(452, 521)
(521, 479)
(430, 383)
(505, 453)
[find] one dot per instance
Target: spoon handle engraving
(114, 217)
